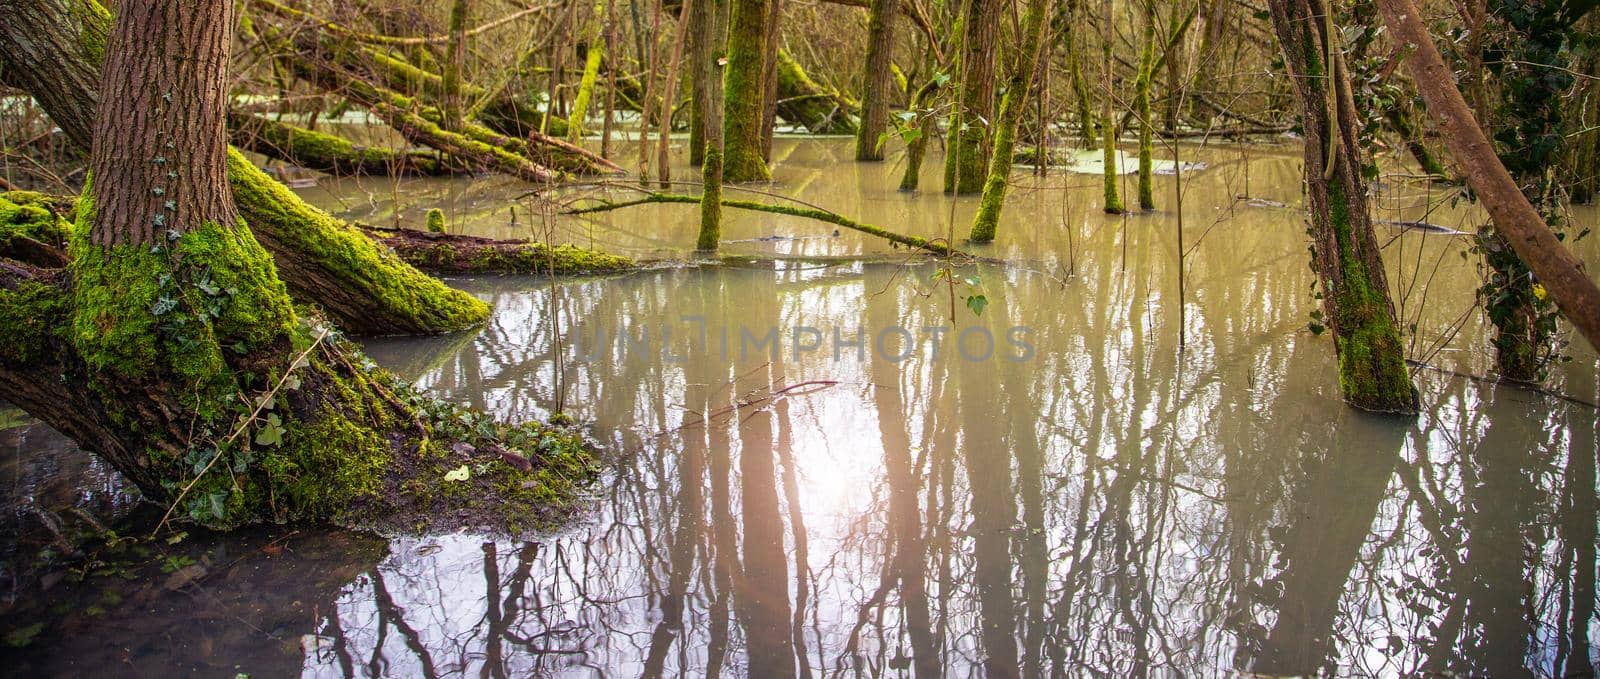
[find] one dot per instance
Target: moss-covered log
(533, 156)
(325, 262)
(457, 254)
(330, 264)
(324, 152)
(805, 102)
(1345, 254)
(538, 159)
(33, 229)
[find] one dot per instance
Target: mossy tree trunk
(703, 20)
(877, 79)
(967, 153)
(325, 262)
(744, 93)
(453, 71)
(171, 348)
(1141, 105)
(1108, 125)
(1019, 81)
(594, 52)
(769, 78)
(1345, 255)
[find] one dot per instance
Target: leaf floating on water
(458, 474)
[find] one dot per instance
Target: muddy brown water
(821, 462)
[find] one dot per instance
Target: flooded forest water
(1086, 497)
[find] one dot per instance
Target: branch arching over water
(937, 246)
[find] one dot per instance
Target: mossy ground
(31, 215)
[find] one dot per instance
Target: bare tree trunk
(769, 76)
(669, 99)
(1355, 292)
(1556, 268)
(878, 79)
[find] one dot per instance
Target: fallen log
(329, 153)
(457, 254)
(801, 101)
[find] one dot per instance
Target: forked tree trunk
(1355, 292)
(171, 348)
(1019, 81)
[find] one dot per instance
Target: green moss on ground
(30, 215)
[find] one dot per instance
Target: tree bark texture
(878, 79)
(1355, 291)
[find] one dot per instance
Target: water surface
(1089, 497)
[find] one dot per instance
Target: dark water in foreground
(1102, 504)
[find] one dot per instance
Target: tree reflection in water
(1108, 507)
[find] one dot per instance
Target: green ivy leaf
(271, 433)
(977, 303)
